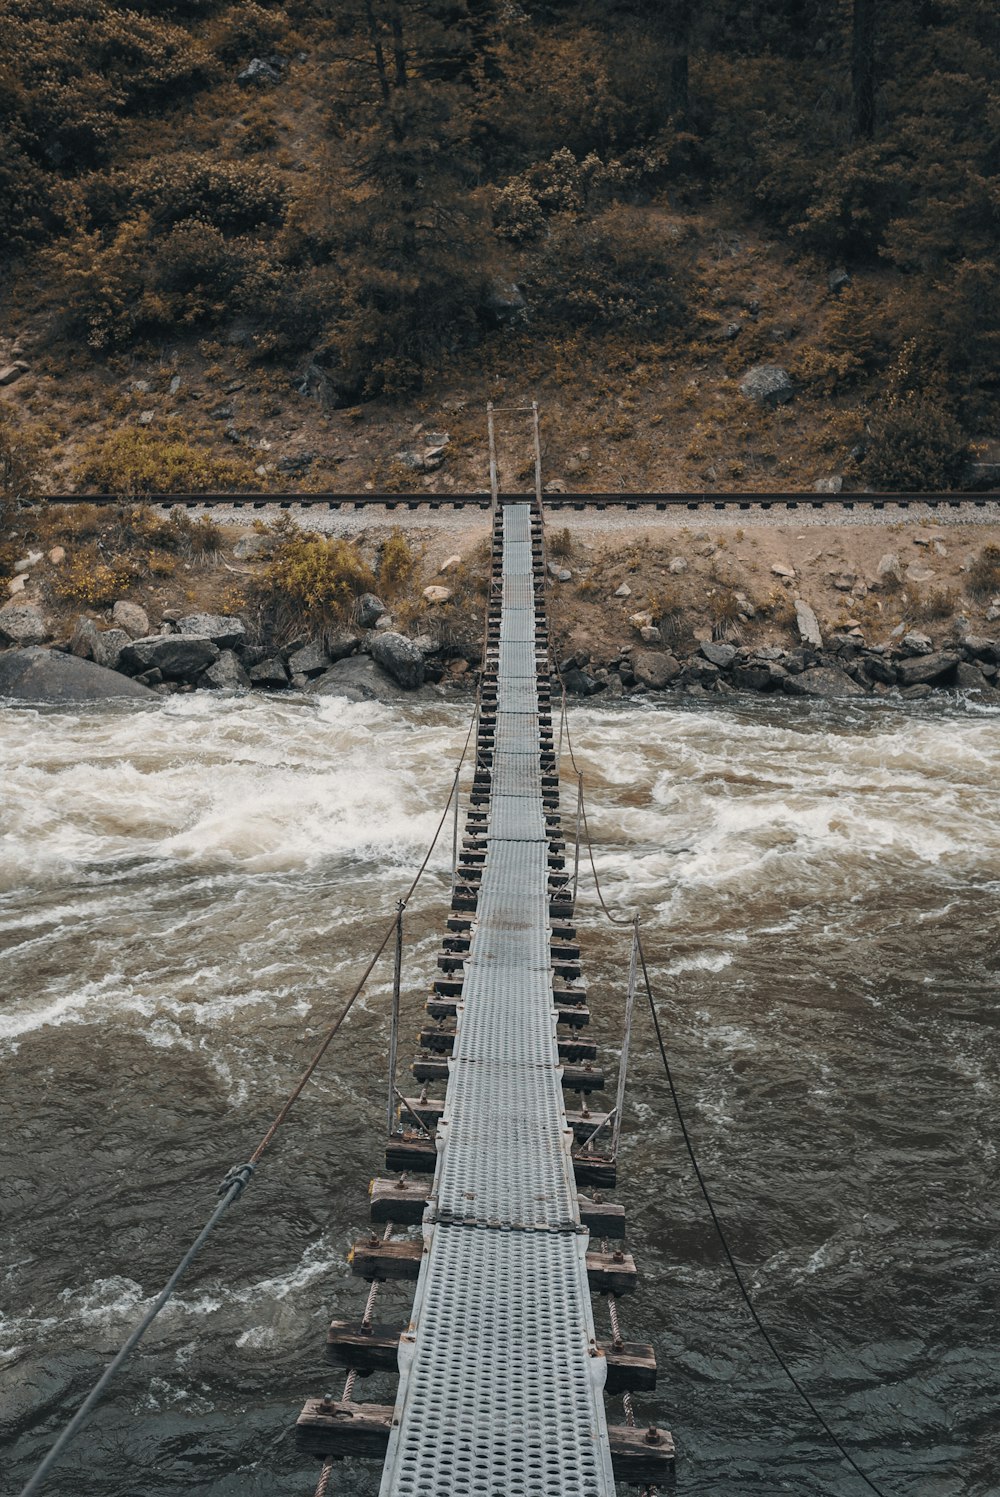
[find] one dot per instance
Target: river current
(188, 890)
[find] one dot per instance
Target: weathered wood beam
(373, 1258)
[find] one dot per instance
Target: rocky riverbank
(365, 662)
(634, 608)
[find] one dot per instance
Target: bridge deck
(501, 1384)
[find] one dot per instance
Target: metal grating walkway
(501, 1392)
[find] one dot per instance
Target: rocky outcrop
(767, 385)
(225, 674)
(130, 617)
(358, 679)
(368, 610)
(927, 670)
(56, 678)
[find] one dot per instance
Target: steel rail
(707, 499)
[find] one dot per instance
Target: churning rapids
(187, 890)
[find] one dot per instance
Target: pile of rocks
(369, 660)
(843, 667)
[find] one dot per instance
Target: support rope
(239, 1177)
(719, 1229)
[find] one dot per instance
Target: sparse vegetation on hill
(378, 200)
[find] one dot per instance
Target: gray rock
(36, 675)
(889, 568)
(838, 280)
(878, 669)
(677, 565)
(27, 562)
(809, 631)
(979, 647)
(624, 591)
(969, 677)
(358, 679)
(226, 674)
(311, 660)
(108, 647)
(251, 545)
(655, 668)
(650, 635)
(753, 677)
(832, 485)
(917, 644)
(561, 574)
(823, 681)
(83, 640)
(130, 617)
(916, 693)
(341, 643)
(368, 610)
(174, 384)
(219, 628)
(718, 653)
(400, 658)
(926, 669)
(258, 73)
(11, 373)
(767, 384)
(178, 657)
(270, 674)
(221, 413)
(150, 678)
(22, 624)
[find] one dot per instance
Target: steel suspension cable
(709, 1202)
(239, 1177)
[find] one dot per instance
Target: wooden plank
(398, 1201)
(585, 1078)
(373, 1258)
(429, 1112)
(405, 1203)
(631, 1367)
(446, 1008)
(442, 1040)
(337, 1430)
(612, 1273)
(365, 1348)
(641, 1456)
(609, 1273)
(602, 1218)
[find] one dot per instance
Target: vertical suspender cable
(397, 976)
(633, 968)
(576, 844)
(494, 480)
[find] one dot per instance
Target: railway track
(643, 503)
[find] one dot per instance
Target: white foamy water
(188, 891)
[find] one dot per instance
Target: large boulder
(226, 674)
(270, 674)
(927, 670)
(130, 617)
(83, 640)
(49, 676)
(178, 657)
(767, 384)
(654, 668)
(219, 628)
(358, 679)
(22, 624)
(400, 658)
(823, 681)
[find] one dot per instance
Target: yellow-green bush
(984, 573)
(311, 582)
(396, 564)
(90, 579)
(131, 461)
